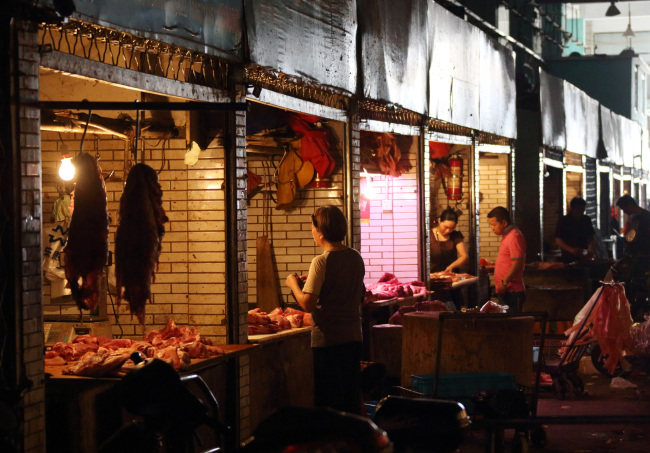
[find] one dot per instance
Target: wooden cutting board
(268, 292)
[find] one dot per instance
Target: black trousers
(337, 377)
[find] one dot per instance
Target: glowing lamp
(368, 191)
(66, 170)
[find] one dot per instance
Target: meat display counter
(379, 312)
(281, 372)
(82, 412)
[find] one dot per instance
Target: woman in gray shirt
(333, 294)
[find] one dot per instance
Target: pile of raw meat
(260, 322)
(388, 287)
(100, 356)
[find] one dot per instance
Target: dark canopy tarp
(313, 39)
(551, 94)
(394, 54)
(609, 130)
(497, 109)
(632, 150)
(214, 27)
(581, 120)
(455, 49)
(623, 140)
(471, 76)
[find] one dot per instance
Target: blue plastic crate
(462, 386)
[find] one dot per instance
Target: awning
(214, 27)
(471, 76)
(551, 94)
(394, 53)
(455, 49)
(498, 93)
(581, 121)
(315, 40)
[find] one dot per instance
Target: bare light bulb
(66, 170)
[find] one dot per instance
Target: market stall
(120, 115)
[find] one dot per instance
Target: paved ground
(599, 400)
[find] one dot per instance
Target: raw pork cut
(86, 251)
(138, 239)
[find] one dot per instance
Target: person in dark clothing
(634, 268)
(637, 228)
(575, 234)
(448, 250)
(333, 294)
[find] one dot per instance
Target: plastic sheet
(210, 26)
(454, 89)
(497, 109)
(315, 40)
(581, 119)
(609, 324)
(394, 55)
(609, 133)
(551, 94)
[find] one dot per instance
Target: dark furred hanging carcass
(87, 247)
(138, 240)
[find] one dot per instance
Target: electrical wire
(83, 137)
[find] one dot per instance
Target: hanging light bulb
(66, 170)
(628, 33)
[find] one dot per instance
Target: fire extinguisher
(455, 180)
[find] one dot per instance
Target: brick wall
(30, 326)
(440, 201)
(389, 241)
(190, 282)
(289, 231)
(493, 192)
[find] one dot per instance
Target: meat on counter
(260, 322)
(389, 287)
(99, 356)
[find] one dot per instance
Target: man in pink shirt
(509, 268)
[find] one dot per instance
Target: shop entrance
(553, 210)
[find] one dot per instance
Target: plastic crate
(462, 387)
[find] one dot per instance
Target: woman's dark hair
(448, 214)
(500, 213)
(330, 221)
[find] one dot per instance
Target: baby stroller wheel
(598, 359)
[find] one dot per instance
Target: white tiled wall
(289, 231)
(493, 189)
(190, 282)
(389, 242)
(440, 198)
